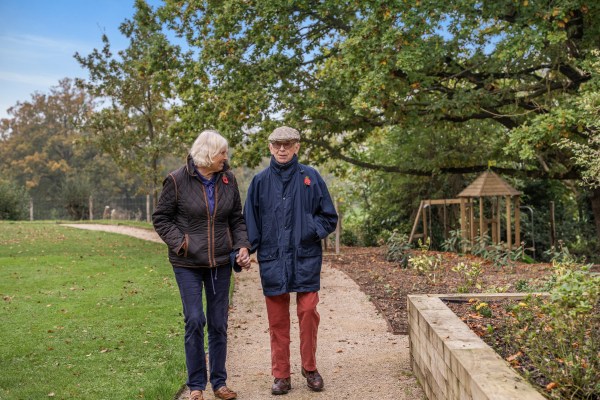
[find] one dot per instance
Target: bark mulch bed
(387, 283)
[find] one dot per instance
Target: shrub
(523, 285)
(560, 254)
(455, 242)
(482, 308)
(481, 245)
(469, 274)
(498, 254)
(349, 238)
(502, 257)
(13, 201)
(75, 198)
(425, 264)
(561, 334)
(397, 248)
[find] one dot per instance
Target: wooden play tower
(488, 188)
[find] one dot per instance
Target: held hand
(244, 265)
(243, 258)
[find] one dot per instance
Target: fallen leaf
(514, 356)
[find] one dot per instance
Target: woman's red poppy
(225, 180)
(307, 181)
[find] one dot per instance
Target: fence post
(91, 207)
(31, 209)
(148, 208)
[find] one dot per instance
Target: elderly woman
(199, 217)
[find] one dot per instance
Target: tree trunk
(595, 199)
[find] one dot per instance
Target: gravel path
(357, 356)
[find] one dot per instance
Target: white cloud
(35, 63)
(29, 79)
(29, 43)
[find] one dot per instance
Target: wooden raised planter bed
(452, 362)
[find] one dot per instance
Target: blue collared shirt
(209, 184)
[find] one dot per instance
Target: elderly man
(288, 211)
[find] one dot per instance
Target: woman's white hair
(208, 144)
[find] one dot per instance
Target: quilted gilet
(182, 216)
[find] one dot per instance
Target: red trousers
(278, 311)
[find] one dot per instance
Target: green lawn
(87, 315)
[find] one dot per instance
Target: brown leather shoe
(314, 380)
(225, 393)
(281, 386)
(196, 395)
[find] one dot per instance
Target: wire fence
(138, 208)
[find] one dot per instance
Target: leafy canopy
(402, 74)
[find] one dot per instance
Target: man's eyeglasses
(285, 145)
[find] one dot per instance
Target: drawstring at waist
(215, 278)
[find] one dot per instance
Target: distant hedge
(13, 201)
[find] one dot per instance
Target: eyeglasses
(285, 145)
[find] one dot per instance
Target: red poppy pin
(225, 180)
(307, 181)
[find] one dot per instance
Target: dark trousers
(215, 281)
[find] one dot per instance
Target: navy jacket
(288, 211)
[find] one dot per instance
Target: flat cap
(284, 134)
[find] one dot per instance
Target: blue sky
(39, 37)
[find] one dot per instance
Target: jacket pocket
(271, 271)
(309, 230)
(309, 259)
(313, 250)
(197, 250)
(183, 250)
(267, 254)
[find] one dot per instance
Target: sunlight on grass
(87, 315)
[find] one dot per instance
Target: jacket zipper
(211, 225)
(208, 233)
(212, 220)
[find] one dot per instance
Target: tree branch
(337, 154)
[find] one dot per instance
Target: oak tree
(44, 150)
(437, 87)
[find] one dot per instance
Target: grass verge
(87, 315)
